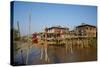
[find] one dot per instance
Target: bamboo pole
(28, 48)
(27, 55)
(46, 55)
(21, 51)
(41, 55)
(18, 29)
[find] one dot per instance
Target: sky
(48, 15)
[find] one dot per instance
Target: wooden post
(22, 56)
(87, 41)
(46, 46)
(71, 47)
(65, 40)
(78, 43)
(81, 42)
(66, 43)
(41, 56)
(71, 44)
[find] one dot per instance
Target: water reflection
(38, 55)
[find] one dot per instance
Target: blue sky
(47, 15)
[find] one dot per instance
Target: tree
(15, 34)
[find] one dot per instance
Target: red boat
(34, 38)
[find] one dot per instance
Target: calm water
(55, 55)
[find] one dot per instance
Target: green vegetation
(93, 42)
(16, 38)
(15, 35)
(15, 47)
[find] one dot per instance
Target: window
(87, 28)
(90, 28)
